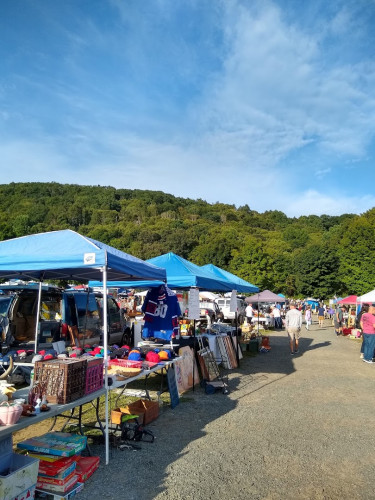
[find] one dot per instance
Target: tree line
(319, 256)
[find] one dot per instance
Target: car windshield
(4, 305)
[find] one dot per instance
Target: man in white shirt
(277, 317)
(293, 324)
(249, 314)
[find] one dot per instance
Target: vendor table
(57, 409)
(266, 322)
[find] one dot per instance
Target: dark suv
(60, 311)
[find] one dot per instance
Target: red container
(94, 375)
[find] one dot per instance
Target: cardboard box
(146, 410)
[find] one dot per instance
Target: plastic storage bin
(18, 476)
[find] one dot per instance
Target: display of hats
(164, 355)
(51, 352)
(135, 355)
(49, 356)
(152, 356)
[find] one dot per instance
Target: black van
(59, 310)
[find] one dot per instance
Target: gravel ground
(292, 427)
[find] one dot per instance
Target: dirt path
(292, 427)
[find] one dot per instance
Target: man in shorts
(321, 312)
(339, 319)
(293, 324)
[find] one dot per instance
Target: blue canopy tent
(239, 284)
(69, 255)
(181, 273)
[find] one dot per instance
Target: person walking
(249, 314)
(339, 319)
(277, 317)
(364, 309)
(368, 329)
(293, 323)
(308, 317)
(321, 315)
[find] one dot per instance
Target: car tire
(126, 338)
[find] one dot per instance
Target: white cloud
(313, 202)
(320, 174)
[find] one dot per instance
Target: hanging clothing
(162, 311)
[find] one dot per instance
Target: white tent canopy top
(368, 297)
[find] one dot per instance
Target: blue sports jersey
(162, 311)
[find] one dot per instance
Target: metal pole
(38, 315)
(237, 341)
(105, 343)
(194, 356)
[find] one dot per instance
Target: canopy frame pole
(38, 314)
(105, 344)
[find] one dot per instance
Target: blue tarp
(68, 255)
(181, 273)
(238, 284)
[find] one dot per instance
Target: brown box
(146, 410)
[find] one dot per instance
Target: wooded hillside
(307, 256)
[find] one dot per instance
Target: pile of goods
(62, 469)
(138, 359)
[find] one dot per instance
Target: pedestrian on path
(293, 323)
(308, 317)
(321, 315)
(277, 317)
(364, 309)
(368, 329)
(339, 319)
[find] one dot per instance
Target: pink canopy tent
(265, 296)
(351, 299)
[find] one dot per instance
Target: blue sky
(265, 103)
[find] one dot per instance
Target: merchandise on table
(162, 310)
(60, 380)
(55, 443)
